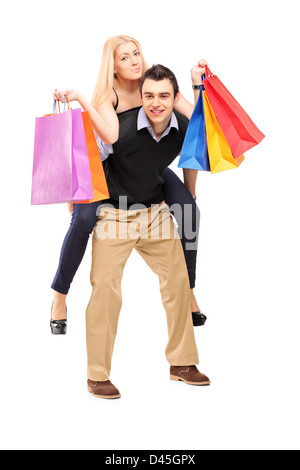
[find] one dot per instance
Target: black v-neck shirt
(136, 166)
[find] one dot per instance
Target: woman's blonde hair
(105, 82)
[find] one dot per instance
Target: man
(136, 216)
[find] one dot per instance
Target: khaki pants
(153, 234)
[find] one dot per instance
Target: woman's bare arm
(184, 107)
(104, 120)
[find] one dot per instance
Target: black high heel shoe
(58, 327)
(199, 318)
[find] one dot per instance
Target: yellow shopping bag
(220, 155)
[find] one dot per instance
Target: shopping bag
(194, 150)
(100, 188)
(220, 155)
(61, 169)
(240, 131)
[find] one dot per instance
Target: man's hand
(197, 72)
(71, 207)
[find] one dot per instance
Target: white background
(248, 262)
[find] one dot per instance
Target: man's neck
(160, 128)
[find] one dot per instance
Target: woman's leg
(183, 207)
(83, 221)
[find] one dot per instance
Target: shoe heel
(58, 327)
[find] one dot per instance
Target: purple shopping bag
(61, 169)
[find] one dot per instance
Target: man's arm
(186, 108)
(183, 106)
(197, 73)
(190, 179)
(104, 149)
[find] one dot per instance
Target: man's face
(158, 101)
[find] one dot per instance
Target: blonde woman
(116, 91)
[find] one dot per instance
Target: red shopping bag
(240, 131)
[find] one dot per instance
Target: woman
(117, 90)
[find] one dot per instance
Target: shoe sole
(108, 397)
(58, 333)
(178, 379)
(199, 323)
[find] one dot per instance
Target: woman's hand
(72, 95)
(197, 72)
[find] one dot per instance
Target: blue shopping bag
(194, 153)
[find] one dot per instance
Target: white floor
(249, 352)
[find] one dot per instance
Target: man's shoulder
(128, 126)
(183, 122)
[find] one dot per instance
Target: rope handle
(66, 101)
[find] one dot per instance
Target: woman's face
(128, 62)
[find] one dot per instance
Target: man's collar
(143, 121)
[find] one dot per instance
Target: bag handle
(65, 105)
(208, 72)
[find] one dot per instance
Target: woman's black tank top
(117, 104)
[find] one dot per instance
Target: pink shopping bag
(61, 169)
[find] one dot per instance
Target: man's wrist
(197, 80)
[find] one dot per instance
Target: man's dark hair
(159, 72)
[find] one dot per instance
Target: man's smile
(156, 112)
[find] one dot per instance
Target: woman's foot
(58, 322)
(59, 309)
(194, 305)
(199, 318)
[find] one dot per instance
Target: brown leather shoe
(188, 374)
(103, 389)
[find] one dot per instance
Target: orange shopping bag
(219, 152)
(98, 177)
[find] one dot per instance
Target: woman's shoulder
(115, 99)
(129, 114)
(110, 103)
(126, 101)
